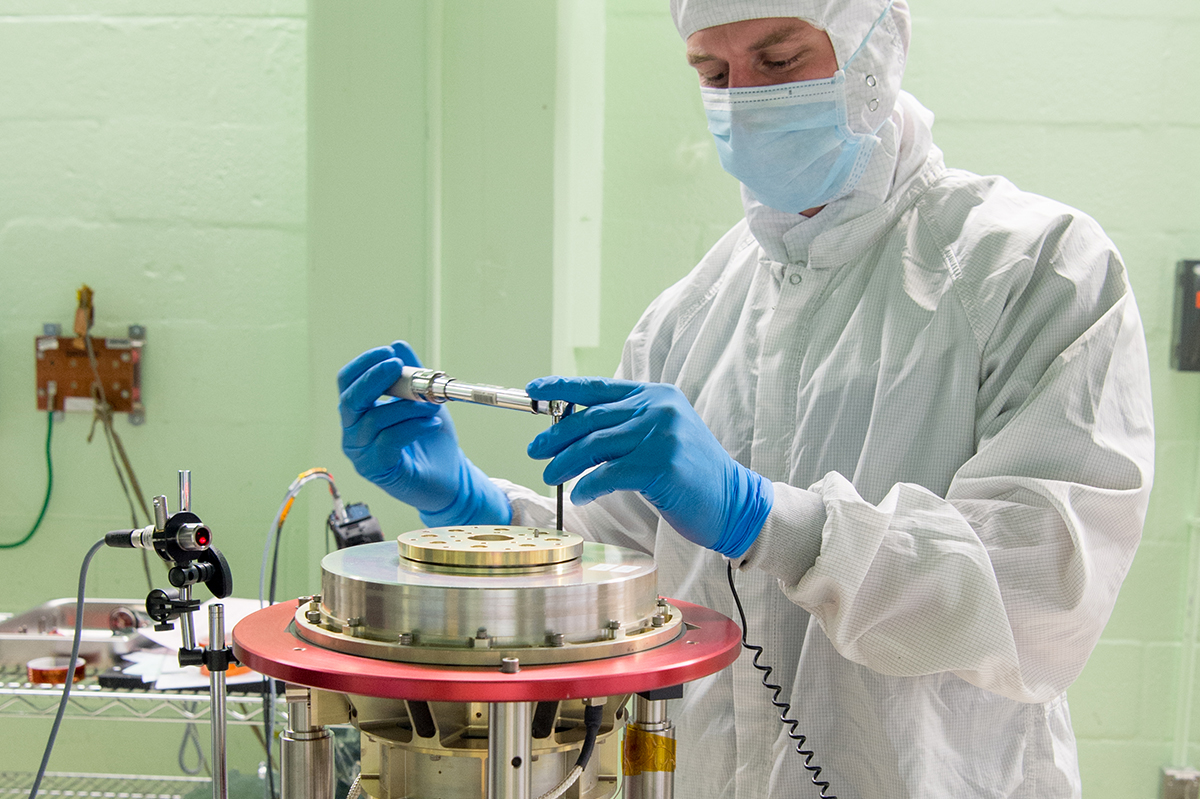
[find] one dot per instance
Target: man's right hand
(410, 449)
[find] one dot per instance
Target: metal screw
(406, 639)
(658, 620)
(313, 616)
(554, 639)
(510, 665)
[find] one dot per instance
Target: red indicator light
(202, 538)
(1198, 299)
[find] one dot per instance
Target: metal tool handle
(431, 385)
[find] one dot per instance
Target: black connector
(360, 527)
(121, 539)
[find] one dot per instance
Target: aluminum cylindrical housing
(648, 759)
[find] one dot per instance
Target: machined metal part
(305, 751)
(648, 759)
(431, 385)
(454, 604)
(443, 749)
(475, 547)
(510, 750)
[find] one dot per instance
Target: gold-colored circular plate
(485, 546)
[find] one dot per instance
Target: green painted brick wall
(156, 151)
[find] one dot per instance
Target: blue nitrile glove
(409, 449)
(646, 437)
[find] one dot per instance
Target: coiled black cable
(785, 708)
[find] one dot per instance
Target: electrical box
(64, 362)
(1180, 783)
(1185, 330)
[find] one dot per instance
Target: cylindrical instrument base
(305, 752)
(649, 757)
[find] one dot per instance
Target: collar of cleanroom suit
(946, 379)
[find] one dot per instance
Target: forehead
(749, 35)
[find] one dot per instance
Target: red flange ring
(262, 642)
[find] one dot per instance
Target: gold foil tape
(645, 751)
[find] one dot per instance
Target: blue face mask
(790, 143)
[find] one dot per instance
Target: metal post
(305, 751)
(186, 631)
(216, 690)
(510, 749)
(185, 490)
(649, 757)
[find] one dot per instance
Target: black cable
(274, 565)
(592, 716)
(49, 481)
(785, 708)
(268, 688)
(269, 730)
(62, 705)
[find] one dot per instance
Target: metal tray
(110, 629)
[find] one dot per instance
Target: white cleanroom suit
(946, 380)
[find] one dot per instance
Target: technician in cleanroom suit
(909, 403)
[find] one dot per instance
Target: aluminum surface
(375, 603)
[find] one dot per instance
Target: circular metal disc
(481, 546)
(264, 642)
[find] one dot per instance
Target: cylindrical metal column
(305, 752)
(649, 757)
(216, 690)
(510, 747)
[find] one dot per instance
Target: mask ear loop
(867, 38)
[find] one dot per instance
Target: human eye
(782, 64)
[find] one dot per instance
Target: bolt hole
(516, 762)
(297, 649)
(490, 537)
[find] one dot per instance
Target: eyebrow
(777, 36)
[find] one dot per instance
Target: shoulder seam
(954, 267)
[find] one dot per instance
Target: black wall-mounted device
(1185, 331)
